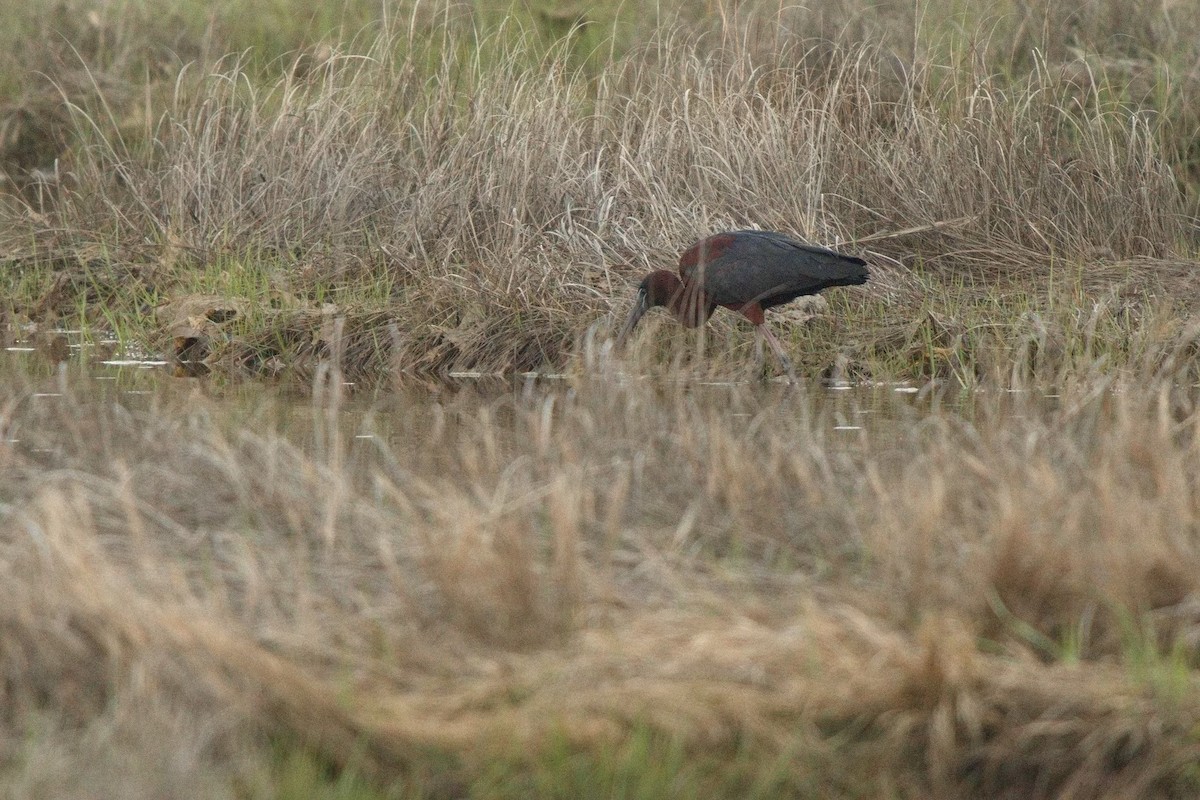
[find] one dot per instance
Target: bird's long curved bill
(635, 314)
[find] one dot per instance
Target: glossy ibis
(747, 272)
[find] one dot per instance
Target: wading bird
(747, 272)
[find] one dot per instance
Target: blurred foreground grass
(611, 589)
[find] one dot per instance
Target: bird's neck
(690, 306)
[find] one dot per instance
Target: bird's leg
(758, 350)
(784, 361)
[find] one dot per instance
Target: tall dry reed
(501, 203)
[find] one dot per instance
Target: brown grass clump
(993, 603)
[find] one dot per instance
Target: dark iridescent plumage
(765, 267)
(748, 272)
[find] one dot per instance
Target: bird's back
(767, 267)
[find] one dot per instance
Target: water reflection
(370, 417)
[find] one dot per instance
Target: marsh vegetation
(326, 566)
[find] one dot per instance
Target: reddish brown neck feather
(663, 286)
(689, 305)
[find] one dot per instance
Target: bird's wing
(760, 264)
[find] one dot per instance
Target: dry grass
(500, 196)
(993, 601)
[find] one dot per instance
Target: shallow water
(368, 417)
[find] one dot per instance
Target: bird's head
(659, 288)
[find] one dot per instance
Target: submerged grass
(625, 589)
